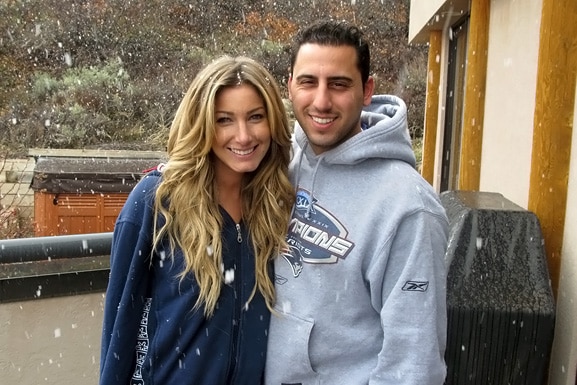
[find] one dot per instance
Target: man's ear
(368, 91)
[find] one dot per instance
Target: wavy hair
(186, 196)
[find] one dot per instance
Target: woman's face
(242, 131)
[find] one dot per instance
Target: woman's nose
(243, 132)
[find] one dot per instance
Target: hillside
(110, 73)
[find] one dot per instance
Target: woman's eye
(257, 117)
(223, 120)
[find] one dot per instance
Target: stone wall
(15, 191)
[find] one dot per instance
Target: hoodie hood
(385, 135)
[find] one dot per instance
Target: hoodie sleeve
(127, 286)
(410, 293)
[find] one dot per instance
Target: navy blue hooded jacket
(152, 335)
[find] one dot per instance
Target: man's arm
(411, 299)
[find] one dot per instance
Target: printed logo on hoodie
(314, 235)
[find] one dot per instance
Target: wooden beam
(432, 106)
(474, 103)
(553, 125)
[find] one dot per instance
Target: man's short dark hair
(334, 33)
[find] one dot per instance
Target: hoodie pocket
(288, 358)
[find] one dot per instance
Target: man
(361, 291)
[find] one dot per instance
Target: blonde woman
(190, 290)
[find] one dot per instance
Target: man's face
(327, 93)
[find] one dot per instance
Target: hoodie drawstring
(297, 172)
(310, 207)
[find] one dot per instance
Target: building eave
(433, 15)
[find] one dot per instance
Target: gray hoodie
(361, 294)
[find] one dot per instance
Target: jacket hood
(385, 135)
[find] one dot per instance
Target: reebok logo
(416, 286)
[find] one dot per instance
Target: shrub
(412, 87)
(111, 72)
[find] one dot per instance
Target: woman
(190, 290)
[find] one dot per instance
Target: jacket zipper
(238, 233)
(237, 308)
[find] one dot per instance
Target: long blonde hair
(186, 196)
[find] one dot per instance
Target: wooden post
(553, 125)
(432, 106)
(474, 103)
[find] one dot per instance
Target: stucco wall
(563, 368)
(510, 102)
(51, 341)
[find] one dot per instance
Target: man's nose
(322, 100)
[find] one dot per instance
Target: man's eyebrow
(305, 76)
(340, 79)
(330, 78)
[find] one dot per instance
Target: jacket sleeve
(410, 293)
(127, 288)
